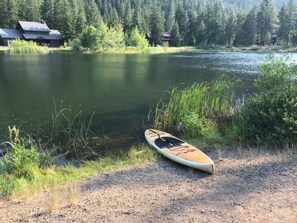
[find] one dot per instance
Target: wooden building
(32, 31)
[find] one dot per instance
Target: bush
(19, 161)
(138, 40)
(90, 38)
(76, 45)
(270, 116)
(22, 46)
(114, 38)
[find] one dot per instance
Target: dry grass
(74, 193)
(54, 201)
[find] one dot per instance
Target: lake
(120, 89)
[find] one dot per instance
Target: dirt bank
(249, 186)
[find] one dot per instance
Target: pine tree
(175, 35)
(181, 19)
(47, 12)
(201, 30)
(190, 39)
(286, 21)
(170, 17)
(30, 10)
(62, 18)
(266, 20)
(93, 14)
(156, 26)
(128, 18)
(213, 28)
(231, 29)
(81, 19)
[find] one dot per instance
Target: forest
(190, 22)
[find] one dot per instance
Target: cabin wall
(56, 43)
(4, 42)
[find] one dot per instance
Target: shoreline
(172, 50)
(239, 190)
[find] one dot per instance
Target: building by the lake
(32, 31)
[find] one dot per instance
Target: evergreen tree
(81, 19)
(266, 20)
(175, 35)
(213, 28)
(47, 12)
(190, 38)
(92, 14)
(128, 18)
(201, 30)
(8, 13)
(231, 29)
(30, 10)
(156, 26)
(62, 18)
(114, 18)
(181, 19)
(286, 21)
(170, 17)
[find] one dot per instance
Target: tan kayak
(179, 151)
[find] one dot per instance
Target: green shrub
(76, 45)
(114, 38)
(270, 115)
(19, 160)
(138, 40)
(26, 47)
(90, 38)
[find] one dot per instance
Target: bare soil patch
(248, 186)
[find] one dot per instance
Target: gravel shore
(248, 186)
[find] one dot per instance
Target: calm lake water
(120, 89)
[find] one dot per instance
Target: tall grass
(199, 110)
(26, 47)
(70, 132)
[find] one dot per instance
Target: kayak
(178, 150)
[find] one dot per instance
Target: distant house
(32, 31)
(166, 38)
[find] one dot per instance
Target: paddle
(164, 140)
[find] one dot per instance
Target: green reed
(26, 47)
(202, 104)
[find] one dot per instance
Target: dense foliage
(211, 113)
(192, 22)
(271, 115)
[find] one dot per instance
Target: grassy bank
(172, 50)
(37, 178)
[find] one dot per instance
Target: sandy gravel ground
(249, 186)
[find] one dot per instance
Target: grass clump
(26, 47)
(200, 111)
(70, 133)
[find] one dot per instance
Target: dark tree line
(190, 22)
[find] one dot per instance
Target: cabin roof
(34, 26)
(10, 34)
(53, 35)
